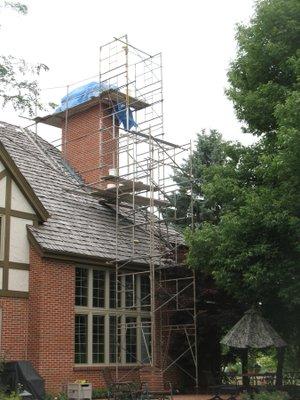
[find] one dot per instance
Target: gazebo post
(244, 359)
(280, 360)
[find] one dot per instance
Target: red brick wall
(14, 328)
(88, 142)
(51, 319)
(41, 330)
(51, 329)
(153, 376)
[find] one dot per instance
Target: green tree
(219, 310)
(266, 68)
(247, 237)
(211, 153)
(18, 84)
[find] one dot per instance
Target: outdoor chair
(121, 391)
(229, 386)
(165, 394)
(216, 390)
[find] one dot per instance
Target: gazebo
(253, 331)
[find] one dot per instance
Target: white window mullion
(123, 305)
(121, 311)
(90, 338)
(90, 289)
(139, 321)
(123, 340)
(107, 286)
(138, 338)
(90, 316)
(106, 319)
(138, 292)
(106, 339)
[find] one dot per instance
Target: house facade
(57, 279)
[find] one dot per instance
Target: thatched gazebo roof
(252, 330)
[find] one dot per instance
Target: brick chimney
(90, 128)
(88, 141)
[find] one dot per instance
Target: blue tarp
(85, 93)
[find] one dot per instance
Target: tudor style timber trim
(20, 214)
(5, 263)
(6, 232)
(24, 186)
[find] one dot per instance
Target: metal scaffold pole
(194, 273)
(153, 292)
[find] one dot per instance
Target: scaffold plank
(128, 198)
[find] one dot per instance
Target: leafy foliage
(266, 396)
(11, 396)
(210, 155)
(266, 68)
(14, 5)
(100, 393)
(248, 229)
(58, 396)
(246, 234)
(18, 84)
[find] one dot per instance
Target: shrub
(266, 396)
(11, 396)
(59, 396)
(99, 393)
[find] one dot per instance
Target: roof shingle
(78, 224)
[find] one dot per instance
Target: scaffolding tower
(136, 167)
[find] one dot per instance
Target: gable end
(23, 185)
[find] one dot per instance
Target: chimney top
(90, 98)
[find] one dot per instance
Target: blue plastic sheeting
(91, 90)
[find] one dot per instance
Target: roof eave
(76, 258)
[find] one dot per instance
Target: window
(146, 340)
(104, 333)
(98, 339)
(130, 289)
(145, 292)
(98, 288)
(112, 339)
(131, 356)
(112, 290)
(81, 287)
(80, 339)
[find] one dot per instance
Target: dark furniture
(136, 391)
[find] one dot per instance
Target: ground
(195, 397)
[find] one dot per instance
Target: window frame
(122, 312)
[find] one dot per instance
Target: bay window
(106, 334)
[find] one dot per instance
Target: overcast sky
(196, 38)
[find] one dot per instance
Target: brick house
(57, 282)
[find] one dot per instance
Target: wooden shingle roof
(78, 225)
